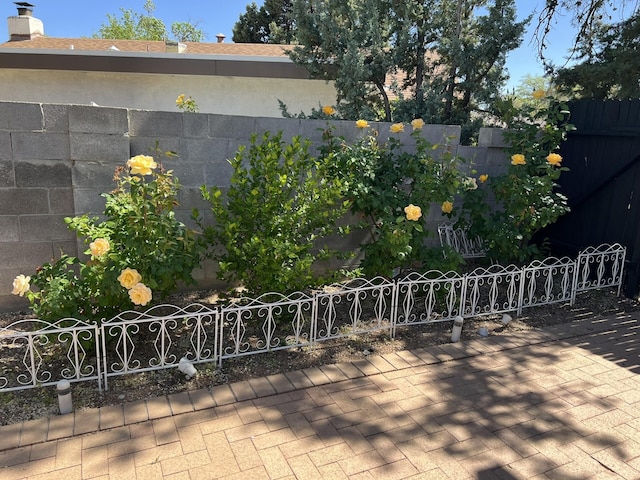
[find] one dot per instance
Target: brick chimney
(25, 26)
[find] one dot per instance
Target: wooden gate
(603, 156)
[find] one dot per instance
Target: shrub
(278, 208)
(527, 197)
(382, 181)
(138, 252)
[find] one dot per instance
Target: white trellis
(31, 350)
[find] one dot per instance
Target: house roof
(141, 56)
(148, 46)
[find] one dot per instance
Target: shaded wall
(57, 160)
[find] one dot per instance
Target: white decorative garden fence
(35, 353)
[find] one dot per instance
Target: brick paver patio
(559, 403)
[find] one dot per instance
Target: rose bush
(380, 179)
(138, 251)
(527, 195)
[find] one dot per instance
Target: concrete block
(47, 174)
(190, 198)
(313, 129)
(155, 147)
(218, 174)
(21, 117)
(9, 228)
(155, 124)
(101, 120)
(7, 176)
(44, 227)
(94, 174)
(198, 149)
(89, 201)
(195, 125)
(19, 201)
(56, 118)
(498, 158)
(40, 146)
(491, 137)
(189, 174)
(290, 127)
(61, 201)
(6, 153)
(94, 147)
(11, 303)
(233, 127)
(25, 256)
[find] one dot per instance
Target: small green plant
(186, 104)
(527, 198)
(388, 186)
(278, 208)
(137, 253)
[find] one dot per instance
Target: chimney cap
(24, 8)
(221, 37)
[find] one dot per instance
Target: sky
(83, 18)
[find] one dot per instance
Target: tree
(451, 57)
(136, 26)
(271, 23)
(586, 15)
(610, 65)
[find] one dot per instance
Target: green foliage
(186, 104)
(271, 23)
(610, 65)
(447, 56)
(139, 26)
(138, 231)
(526, 196)
(381, 180)
(278, 208)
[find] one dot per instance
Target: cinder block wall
(57, 160)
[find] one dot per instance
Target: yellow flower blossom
(518, 159)
(413, 212)
(417, 124)
(397, 128)
(554, 159)
(362, 124)
(483, 178)
(328, 110)
(141, 165)
(129, 277)
(140, 294)
(447, 207)
(538, 94)
(99, 247)
(20, 285)
(180, 99)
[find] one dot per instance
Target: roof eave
(134, 62)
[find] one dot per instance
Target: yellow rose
(141, 165)
(417, 123)
(140, 294)
(99, 247)
(180, 99)
(518, 159)
(483, 178)
(447, 207)
(413, 212)
(129, 277)
(554, 159)
(362, 124)
(538, 94)
(20, 285)
(397, 128)
(328, 110)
